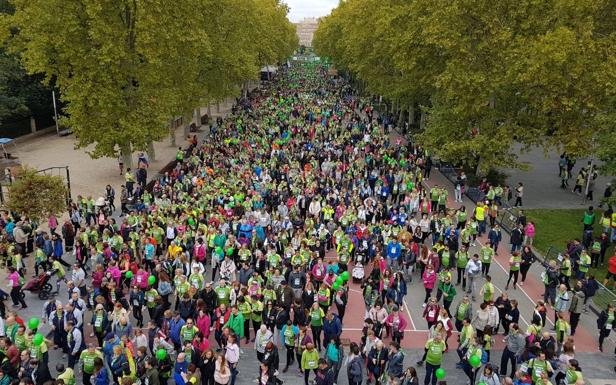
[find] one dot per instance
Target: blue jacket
(332, 328)
(102, 378)
(108, 348)
(174, 330)
(58, 250)
(48, 248)
(394, 250)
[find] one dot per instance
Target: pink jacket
(429, 279)
(203, 324)
(317, 274)
(530, 230)
(402, 321)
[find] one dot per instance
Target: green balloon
(129, 274)
(482, 383)
(38, 339)
(440, 373)
(345, 276)
(161, 354)
(218, 250)
(336, 286)
(475, 361)
(33, 323)
(151, 279)
(230, 251)
(339, 280)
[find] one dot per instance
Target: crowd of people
(252, 240)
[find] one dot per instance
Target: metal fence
(508, 219)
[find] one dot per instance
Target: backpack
(164, 288)
(484, 356)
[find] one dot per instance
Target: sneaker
(419, 363)
(423, 305)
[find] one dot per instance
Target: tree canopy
(37, 195)
(126, 68)
(486, 74)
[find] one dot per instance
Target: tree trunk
(127, 156)
(187, 120)
(197, 114)
(151, 152)
(411, 114)
(172, 134)
(422, 120)
(401, 116)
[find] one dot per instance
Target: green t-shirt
(462, 259)
(435, 352)
(316, 317)
(88, 360)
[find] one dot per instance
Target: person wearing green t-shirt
(310, 361)
(188, 331)
(244, 307)
(290, 333)
(223, 292)
(316, 315)
(435, 348)
(487, 291)
(87, 358)
(486, 255)
(461, 262)
(514, 269)
(537, 367)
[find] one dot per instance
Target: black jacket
(602, 320)
(324, 376)
(41, 375)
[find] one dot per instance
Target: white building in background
(305, 30)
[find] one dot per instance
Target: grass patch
(554, 227)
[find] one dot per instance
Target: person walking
(472, 272)
(16, 281)
(605, 323)
(434, 358)
(519, 194)
(515, 344)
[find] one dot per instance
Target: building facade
(305, 30)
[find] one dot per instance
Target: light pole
(55, 111)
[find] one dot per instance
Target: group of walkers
(298, 192)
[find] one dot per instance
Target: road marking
(507, 274)
(409, 314)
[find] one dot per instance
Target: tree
(37, 195)
(124, 68)
(487, 75)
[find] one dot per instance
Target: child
(58, 270)
(66, 375)
(488, 341)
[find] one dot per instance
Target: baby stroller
(40, 285)
(358, 272)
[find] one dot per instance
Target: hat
(109, 336)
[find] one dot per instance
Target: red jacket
(611, 264)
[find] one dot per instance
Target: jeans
(471, 286)
(430, 374)
(233, 373)
(508, 356)
(482, 227)
(549, 294)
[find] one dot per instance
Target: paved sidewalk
(90, 176)
(542, 184)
